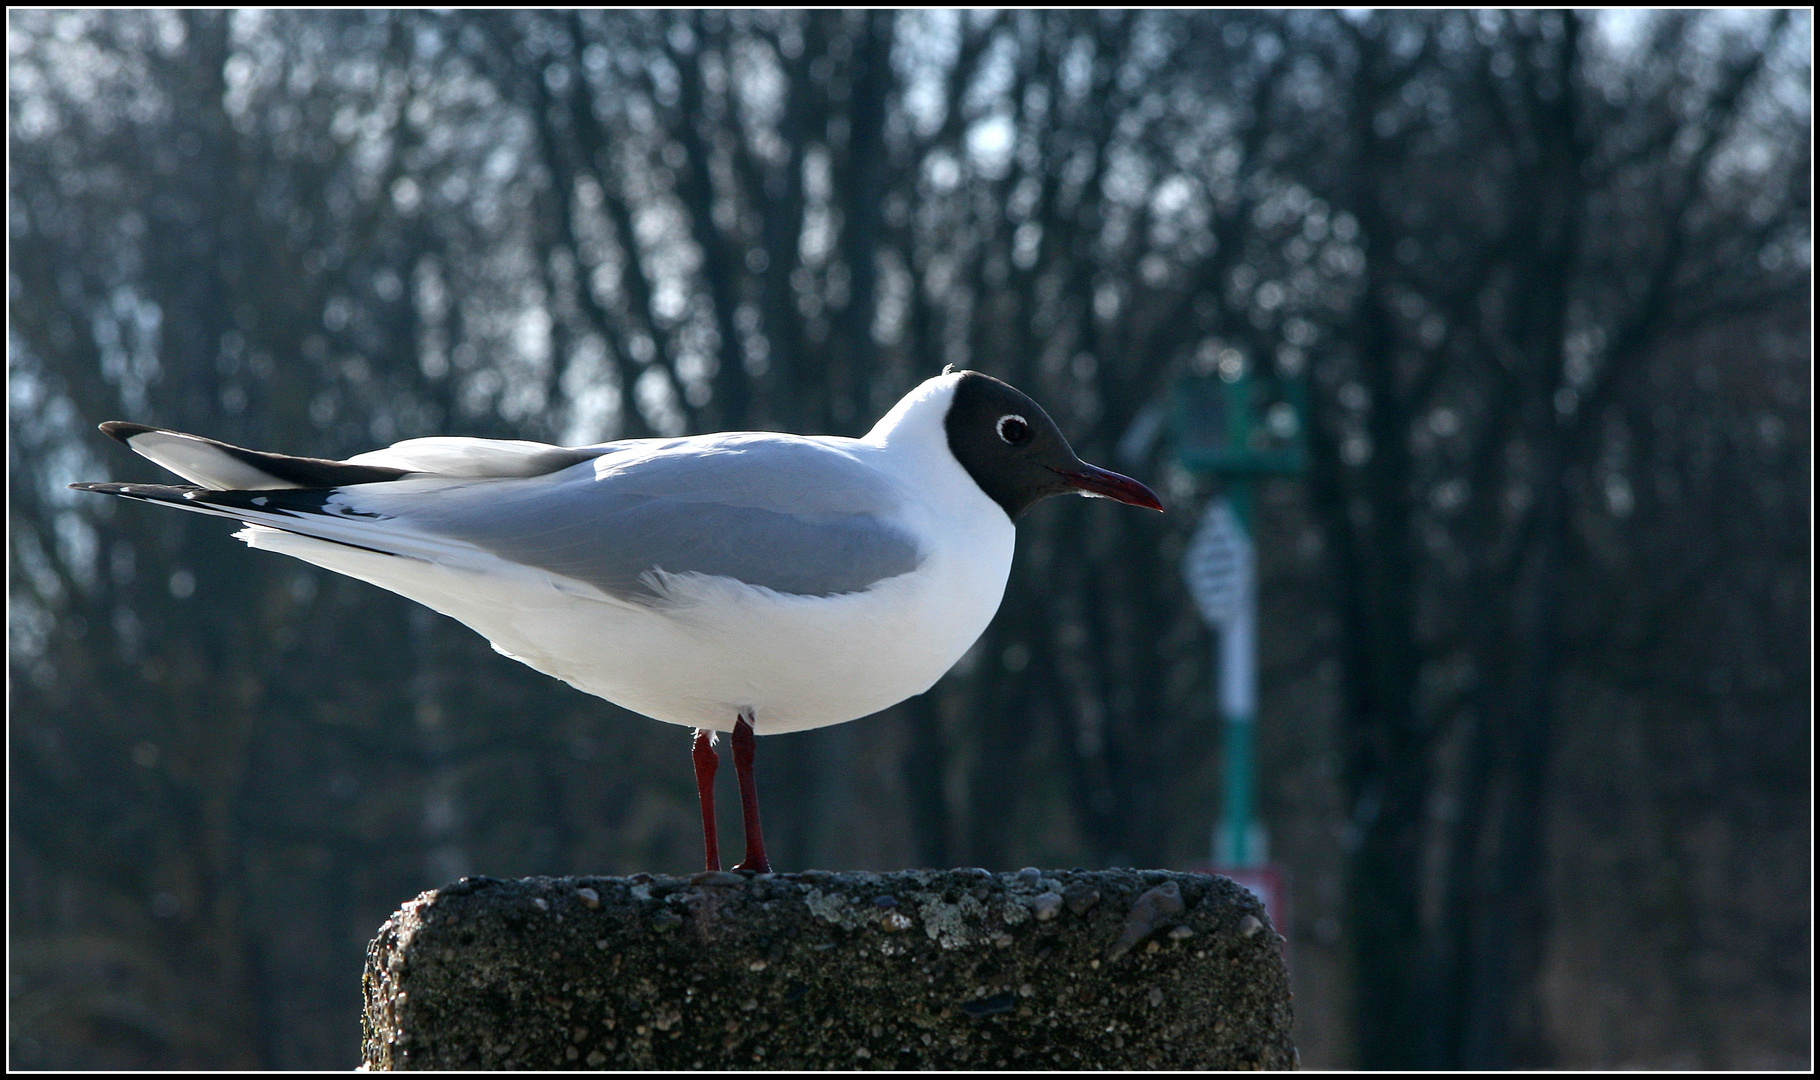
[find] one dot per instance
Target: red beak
(1099, 484)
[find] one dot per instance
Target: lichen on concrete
(920, 969)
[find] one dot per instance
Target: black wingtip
(156, 492)
(105, 487)
(122, 430)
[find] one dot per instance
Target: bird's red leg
(744, 744)
(707, 761)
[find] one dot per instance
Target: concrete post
(1116, 969)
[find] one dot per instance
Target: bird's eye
(1013, 428)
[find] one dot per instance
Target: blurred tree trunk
(1461, 988)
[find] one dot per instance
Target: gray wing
(795, 515)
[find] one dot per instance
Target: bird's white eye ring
(1013, 428)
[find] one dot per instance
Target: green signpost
(1237, 425)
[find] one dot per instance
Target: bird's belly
(795, 662)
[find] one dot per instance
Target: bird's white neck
(920, 416)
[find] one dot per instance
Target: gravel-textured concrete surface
(919, 969)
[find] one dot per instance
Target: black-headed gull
(750, 582)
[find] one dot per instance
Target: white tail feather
(202, 462)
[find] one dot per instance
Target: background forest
(1535, 731)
